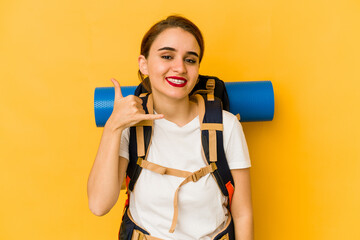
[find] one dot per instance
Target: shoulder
(229, 119)
(124, 144)
(235, 146)
(125, 134)
(231, 125)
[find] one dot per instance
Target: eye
(189, 60)
(168, 57)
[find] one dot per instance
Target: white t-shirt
(201, 205)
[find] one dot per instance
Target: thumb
(117, 88)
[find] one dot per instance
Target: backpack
(212, 98)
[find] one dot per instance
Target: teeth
(176, 81)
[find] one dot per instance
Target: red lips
(176, 81)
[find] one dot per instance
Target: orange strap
(138, 235)
(140, 141)
(144, 123)
(230, 189)
(212, 146)
(225, 237)
(212, 126)
(189, 177)
(210, 85)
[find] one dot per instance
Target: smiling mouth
(176, 81)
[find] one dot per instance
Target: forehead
(176, 38)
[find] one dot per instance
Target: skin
(241, 205)
(173, 53)
(171, 101)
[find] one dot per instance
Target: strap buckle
(213, 166)
(210, 84)
(138, 235)
(197, 175)
(139, 161)
(203, 171)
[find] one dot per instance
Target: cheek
(194, 71)
(157, 69)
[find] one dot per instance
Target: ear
(143, 65)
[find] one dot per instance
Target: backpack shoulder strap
(219, 91)
(139, 141)
(210, 115)
(211, 126)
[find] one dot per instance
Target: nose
(179, 65)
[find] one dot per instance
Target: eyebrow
(173, 49)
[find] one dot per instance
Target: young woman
(171, 52)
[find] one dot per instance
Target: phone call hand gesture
(128, 111)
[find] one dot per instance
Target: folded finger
(153, 116)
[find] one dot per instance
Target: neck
(178, 111)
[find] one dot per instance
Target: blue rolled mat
(254, 101)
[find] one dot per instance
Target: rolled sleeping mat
(254, 101)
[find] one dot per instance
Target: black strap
(133, 171)
(213, 114)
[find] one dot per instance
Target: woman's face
(172, 64)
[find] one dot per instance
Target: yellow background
(305, 173)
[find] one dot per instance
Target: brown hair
(170, 22)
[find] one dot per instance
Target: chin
(177, 94)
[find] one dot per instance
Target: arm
(109, 169)
(107, 173)
(241, 206)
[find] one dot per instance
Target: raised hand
(128, 110)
